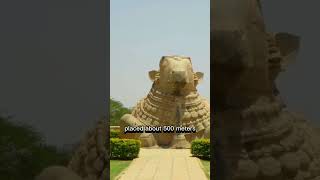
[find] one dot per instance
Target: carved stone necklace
(160, 109)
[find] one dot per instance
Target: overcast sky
(143, 31)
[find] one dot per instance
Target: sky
(299, 84)
(53, 66)
(143, 31)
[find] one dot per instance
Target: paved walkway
(164, 164)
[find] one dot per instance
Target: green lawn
(206, 167)
(116, 166)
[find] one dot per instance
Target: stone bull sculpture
(175, 83)
(256, 137)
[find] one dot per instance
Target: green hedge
(125, 149)
(201, 148)
(114, 134)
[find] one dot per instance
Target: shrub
(125, 149)
(114, 134)
(201, 148)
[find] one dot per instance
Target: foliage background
(23, 152)
(117, 110)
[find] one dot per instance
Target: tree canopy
(117, 110)
(23, 153)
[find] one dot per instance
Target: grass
(116, 167)
(206, 167)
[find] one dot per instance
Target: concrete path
(164, 164)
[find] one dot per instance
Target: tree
(117, 110)
(23, 153)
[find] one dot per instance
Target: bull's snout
(179, 76)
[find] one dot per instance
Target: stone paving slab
(164, 164)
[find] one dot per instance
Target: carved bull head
(176, 75)
(241, 54)
(237, 33)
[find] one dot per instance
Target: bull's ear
(289, 46)
(198, 76)
(153, 75)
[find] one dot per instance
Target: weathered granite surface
(89, 160)
(256, 136)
